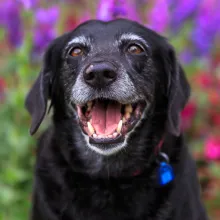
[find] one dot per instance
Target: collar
(157, 151)
(159, 146)
(164, 170)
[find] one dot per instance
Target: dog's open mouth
(108, 121)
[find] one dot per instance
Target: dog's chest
(128, 200)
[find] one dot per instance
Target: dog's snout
(100, 74)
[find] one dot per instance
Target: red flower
(214, 115)
(71, 23)
(188, 114)
(2, 89)
(214, 97)
(204, 80)
(216, 61)
(212, 148)
(216, 119)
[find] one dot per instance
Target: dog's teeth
(89, 109)
(110, 136)
(119, 126)
(127, 115)
(124, 120)
(89, 104)
(128, 108)
(115, 134)
(95, 135)
(91, 129)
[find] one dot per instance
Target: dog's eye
(76, 51)
(135, 49)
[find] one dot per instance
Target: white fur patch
(104, 152)
(132, 37)
(107, 152)
(78, 40)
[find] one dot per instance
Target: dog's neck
(83, 160)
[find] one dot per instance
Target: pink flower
(187, 115)
(212, 148)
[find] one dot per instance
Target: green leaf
(215, 170)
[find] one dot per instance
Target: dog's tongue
(105, 117)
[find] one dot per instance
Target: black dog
(117, 91)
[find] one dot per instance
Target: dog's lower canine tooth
(119, 126)
(127, 115)
(124, 119)
(128, 108)
(115, 134)
(95, 135)
(89, 106)
(91, 129)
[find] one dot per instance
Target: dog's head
(120, 79)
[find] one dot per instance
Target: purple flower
(206, 27)
(182, 10)
(112, 9)
(2, 15)
(186, 56)
(105, 10)
(12, 22)
(127, 9)
(47, 16)
(28, 4)
(45, 27)
(159, 16)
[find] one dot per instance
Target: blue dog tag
(165, 173)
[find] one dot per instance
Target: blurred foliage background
(26, 28)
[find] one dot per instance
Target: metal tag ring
(163, 157)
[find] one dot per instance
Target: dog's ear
(36, 100)
(178, 92)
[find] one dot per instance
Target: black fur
(72, 181)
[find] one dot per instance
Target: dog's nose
(100, 74)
